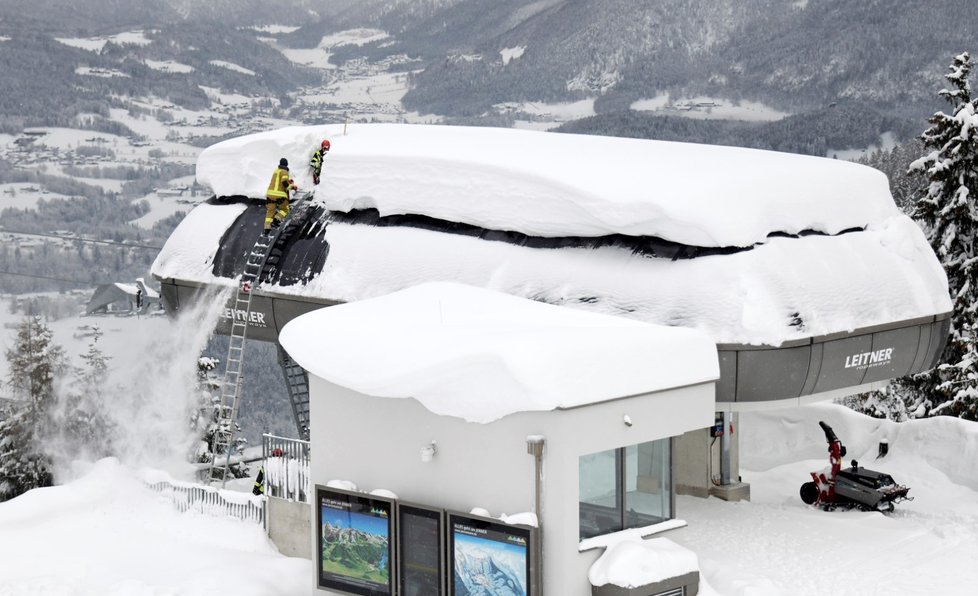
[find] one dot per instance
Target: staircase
(297, 382)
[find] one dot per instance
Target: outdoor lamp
(428, 452)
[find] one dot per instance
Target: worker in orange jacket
(277, 196)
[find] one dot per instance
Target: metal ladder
(297, 382)
(241, 315)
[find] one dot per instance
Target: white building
(439, 393)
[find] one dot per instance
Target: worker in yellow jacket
(277, 196)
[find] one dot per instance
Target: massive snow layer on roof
(548, 184)
(481, 355)
(788, 288)
(554, 184)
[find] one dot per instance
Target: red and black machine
(852, 487)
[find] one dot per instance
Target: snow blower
(853, 487)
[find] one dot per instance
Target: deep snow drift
(782, 289)
(106, 534)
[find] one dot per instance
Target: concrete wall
(376, 443)
(693, 463)
(288, 527)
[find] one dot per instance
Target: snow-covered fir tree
(36, 365)
(949, 214)
(205, 418)
(83, 418)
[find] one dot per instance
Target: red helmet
(325, 145)
(277, 452)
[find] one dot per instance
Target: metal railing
(286, 465)
(211, 501)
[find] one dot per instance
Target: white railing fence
(286, 465)
(212, 501)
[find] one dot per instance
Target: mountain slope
(792, 55)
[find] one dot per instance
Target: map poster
(354, 542)
(489, 558)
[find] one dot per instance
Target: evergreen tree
(949, 214)
(205, 418)
(36, 365)
(84, 420)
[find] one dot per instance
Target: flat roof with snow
(480, 355)
(550, 184)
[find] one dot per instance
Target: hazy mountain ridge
(819, 132)
(787, 54)
(86, 16)
(62, 91)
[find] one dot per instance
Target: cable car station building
(785, 279)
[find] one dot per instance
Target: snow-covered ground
(104, 533)
(776, 545)
(107, 534)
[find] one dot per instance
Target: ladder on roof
(257, 266)
(297, 382)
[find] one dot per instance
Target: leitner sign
(254, 318)
(870, 359)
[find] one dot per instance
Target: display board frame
(488, 533)
(356, 503)
(404, 511)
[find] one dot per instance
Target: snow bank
(481, 355)
(947, 445)
(546, 184)
(775, 544)
(636, 563)
(107, 534)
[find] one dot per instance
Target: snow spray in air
(149, 404)
(154, 414)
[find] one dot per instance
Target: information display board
(489, 558)
(355, 548)
(421, 550)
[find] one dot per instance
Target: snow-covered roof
(549, 184)
(480, 355)
(782, 289)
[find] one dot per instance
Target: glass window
(600, 497)
(625, 488)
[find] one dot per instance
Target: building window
(625, 488)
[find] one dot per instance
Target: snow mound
(108, 534)
(636, 563)
(550, 185)
(480, 355)
(942, 443)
